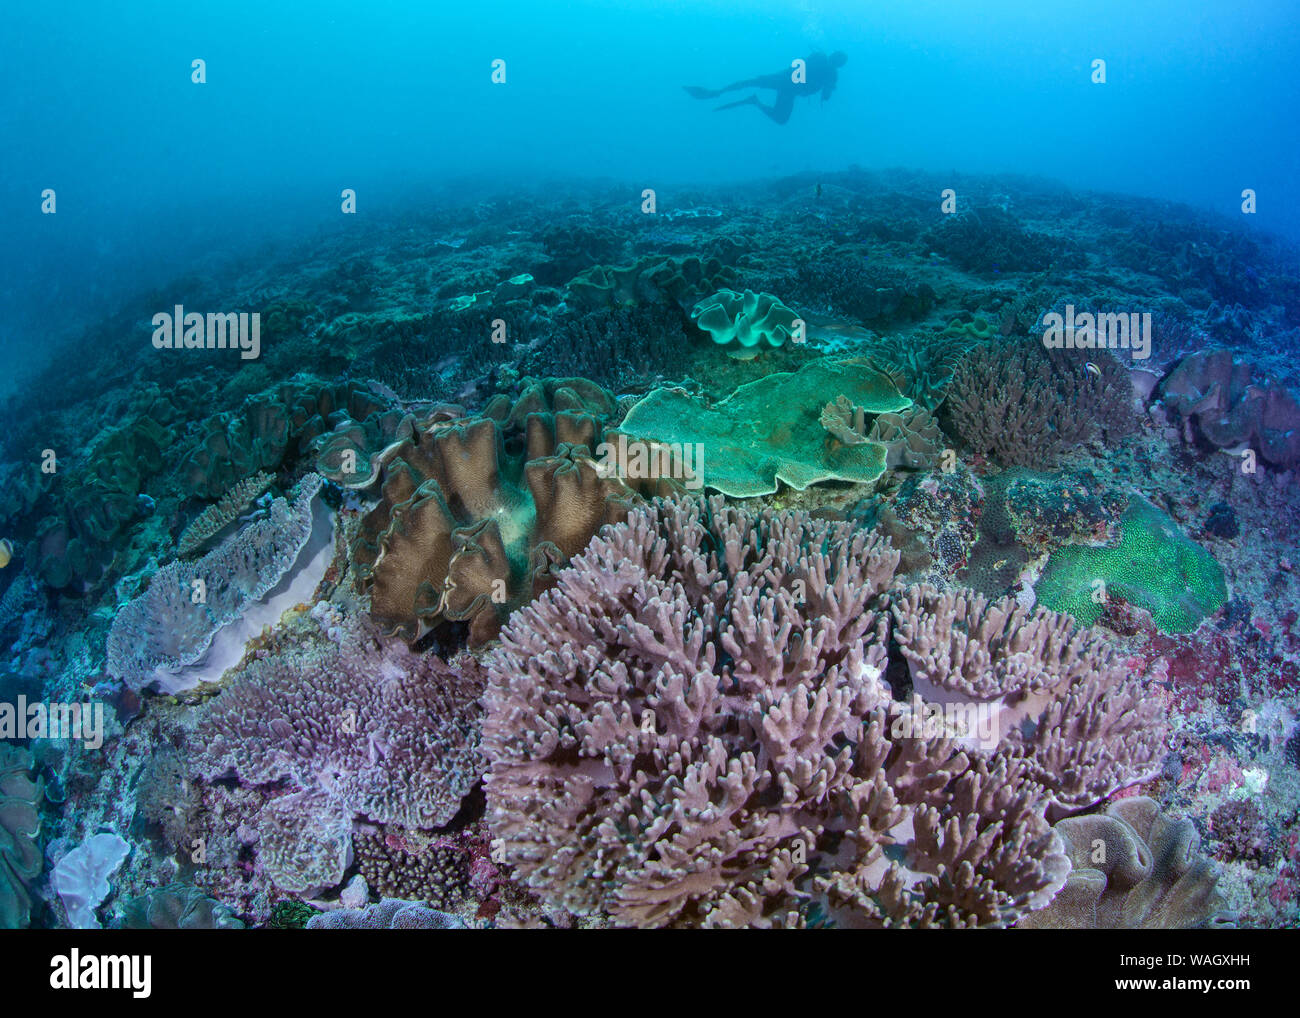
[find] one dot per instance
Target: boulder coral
(699, 726)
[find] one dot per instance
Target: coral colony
(803, 554)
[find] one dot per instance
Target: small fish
(1092, 369)
(6, 552)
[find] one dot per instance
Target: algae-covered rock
(770, 431)
(1155, 566)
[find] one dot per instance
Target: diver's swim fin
(695, 92)
(749, 100)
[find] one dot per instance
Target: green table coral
(745, 321)
(770, 431)
(1155, 566)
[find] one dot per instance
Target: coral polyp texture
(1155, 566)
(694, 727)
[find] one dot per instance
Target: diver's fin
(749, 100)
(695, 92)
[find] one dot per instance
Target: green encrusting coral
(770, 430)
(1155, 566)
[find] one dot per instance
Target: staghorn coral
(1058, 694)
(693, 728)
(335, 722)
(1028, 406)
(1134, 867)
(158, 635)
(20, 828)
(476, 514)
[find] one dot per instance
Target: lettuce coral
(1155, 566)
(745, 321)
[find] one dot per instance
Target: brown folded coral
(476, 514)
(1134, 867)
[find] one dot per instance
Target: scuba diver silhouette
(819, 75)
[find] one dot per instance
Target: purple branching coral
(339, 723)
(694, 728)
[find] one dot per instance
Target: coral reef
(745, 321)
(694, 728)
(171, 626)
(1133, 867)
(1215, 398)
(176, 907)
(81, 877)
(1028, 406)
(389, 914)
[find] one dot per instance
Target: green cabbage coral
(745, 320)
(1155, 567)
(772, 430)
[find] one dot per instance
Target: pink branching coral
(1056, 692)
(694, 727)
(338, 723)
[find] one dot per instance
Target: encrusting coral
(1134, 867)
(335, 722)
(693, 727)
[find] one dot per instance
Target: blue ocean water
(154, 173)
